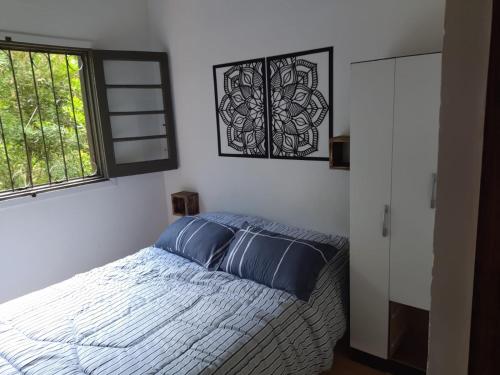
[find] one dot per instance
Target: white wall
(56, 235)
(113, 24)
(201, 33)
(464, 82)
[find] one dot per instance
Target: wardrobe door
(372, 98)
(414, 164)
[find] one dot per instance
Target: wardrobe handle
(385, 224)
(433, 193)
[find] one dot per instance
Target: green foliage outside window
(43, 138)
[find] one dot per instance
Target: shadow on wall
(417, 36)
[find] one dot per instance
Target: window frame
(133, 168)
(94, 133)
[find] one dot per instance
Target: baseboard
(383, 365)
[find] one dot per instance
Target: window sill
(73, 186)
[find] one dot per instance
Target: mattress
(157, 313)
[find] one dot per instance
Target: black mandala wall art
(300, 104)
(240, 99)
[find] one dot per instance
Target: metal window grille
(46, 133)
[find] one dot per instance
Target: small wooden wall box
(339, 152)
(185, 203)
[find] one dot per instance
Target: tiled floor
(344, 366)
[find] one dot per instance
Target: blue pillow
(197, 239)
(276, 260)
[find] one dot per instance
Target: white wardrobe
(394, 141)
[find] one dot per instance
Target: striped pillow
(276, 260)
(197, 239)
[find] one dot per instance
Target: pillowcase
(238, 220)
(276, 260)
(197, 239)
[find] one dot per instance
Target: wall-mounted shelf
(339, 152)
(185, 203)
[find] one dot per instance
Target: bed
(158, 313)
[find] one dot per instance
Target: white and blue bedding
(158, 313)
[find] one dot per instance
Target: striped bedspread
(157, 313)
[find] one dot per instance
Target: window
(71, 116)
(45, 139)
